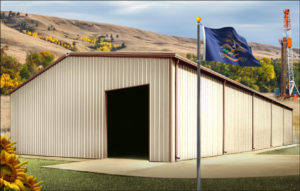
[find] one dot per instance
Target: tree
(10, 78)
(24, 73)
(3, 15)
(18, 13)
(32, 61)
(259, 78)
(7, 84)
(297, 73)
(9, 64)
(26, 14)
(46, 58)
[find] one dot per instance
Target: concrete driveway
(226, 166)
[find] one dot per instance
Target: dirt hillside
(72, 30)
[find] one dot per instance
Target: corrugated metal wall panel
(262, 123)
(173, 108)
(277, 125)
(238, 120)
(211, 117)
(288, 127)
(211, 114)
(62, 111)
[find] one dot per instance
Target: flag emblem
(225, 45)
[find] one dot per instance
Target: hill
(72, 31)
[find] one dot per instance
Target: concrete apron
(225, 166)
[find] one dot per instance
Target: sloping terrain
(72, 30)
(20, 43)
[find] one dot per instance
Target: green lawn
(287, 151)
(55, 179)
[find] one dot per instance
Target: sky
(257, 21)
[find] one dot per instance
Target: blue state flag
(227, 46)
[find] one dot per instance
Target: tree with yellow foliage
(7, 84)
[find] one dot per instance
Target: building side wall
(211, 114)
(277, 126)
(288, 127)
(238, 120)
(262, 123)
(62, 111)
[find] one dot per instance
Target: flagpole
(198, 107)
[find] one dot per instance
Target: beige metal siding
(277, 125)
(238, 120)
(262, 123)
(173, 108)
(211, 114)
(288, 127)
(62, 111)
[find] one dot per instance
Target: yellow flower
(32, 184)
(5, 144)
(11, 173)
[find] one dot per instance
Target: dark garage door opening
(128, 122)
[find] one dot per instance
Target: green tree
(10, 78)
(36, 59)
(32, 61)
(46, 58)
(9, 64)
(261, 78)
(24, 73)
(297, 73)
(111, 38)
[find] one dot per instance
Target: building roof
(169, 55)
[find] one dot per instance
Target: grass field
(55, 179)
(287, 151)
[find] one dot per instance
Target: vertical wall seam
(176, 109)
(253, 121)
(283, 126)
(170, 110)
(271, 125)
(224, 84)
(292, 127)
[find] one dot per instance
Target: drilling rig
(287, 73)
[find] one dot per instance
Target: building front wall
(262, 123)
(62, 111)
(288, 127)
(277, 126)
(238, 120)
(211, 114)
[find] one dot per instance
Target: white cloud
(128, 7)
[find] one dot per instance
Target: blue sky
(257, 21)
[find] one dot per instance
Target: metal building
(97, 105)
